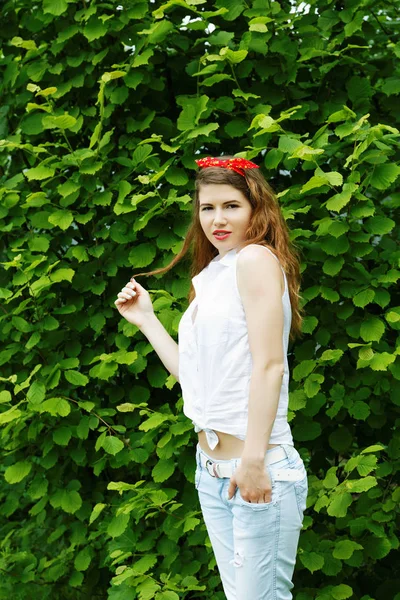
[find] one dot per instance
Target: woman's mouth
(222, 236)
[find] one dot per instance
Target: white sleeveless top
(215, 361)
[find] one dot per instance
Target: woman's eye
(229, 205)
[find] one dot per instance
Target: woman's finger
(125, 295)
(129, 292)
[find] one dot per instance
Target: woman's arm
(259, 283)
(163, 344)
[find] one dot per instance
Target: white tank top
(215, 361)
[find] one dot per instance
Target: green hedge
(104, 107)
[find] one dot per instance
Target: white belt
(226, 469)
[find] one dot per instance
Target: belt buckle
(213, 471)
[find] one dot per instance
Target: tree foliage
(104, 107)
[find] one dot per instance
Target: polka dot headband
(235, 164)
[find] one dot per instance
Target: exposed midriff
(228, 447)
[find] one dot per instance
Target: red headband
(235, 164)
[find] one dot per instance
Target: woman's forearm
(163, 344)
(265, 387)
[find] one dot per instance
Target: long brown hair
(267, 228)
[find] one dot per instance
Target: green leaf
(303, 369)
(97, 509)
(104, 370)
(191, 523)
(56, 406)
(120, 486)
(339, 201)
(297, 400)
(129, 407)
(344, 549)
(17, 472)
(62, 122)
(83, 559)
(384, 175)
(340, 502)
(259, 24)
(312, 561)
(309, 324)
(167, 595)
(76, 579)
(67, 188)
(217, 78)
(61, 218)
(273, 158)
(316, 181)
(94, 29)
(55, 7)
(204, 130)
(236, 128)
(233, 56)
(234, 8)
(391, 86)
(311, 432)
(142, 255)
(379, 225)
(361, 485)
(163, 470)
(39, 173)
(154, 421)
(82, 429)
(76, 378)
(176, 176)
(71, 501)
(342, 591)
(360, 410)
(62, 435)
(377, 548)
(363, 298)
(145, 563)
(36, 393)
(157, 32)
(156, 375)
(5, 397)
(330, 481)
(366, 464)
(141, 153)
(10, 415)
(372, 329)
(112, 445)
(374, 448)
(118, 525)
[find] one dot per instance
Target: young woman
(231, 363)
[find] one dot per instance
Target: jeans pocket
(260, 505)
(197, 477)
(253, 505)
(301, 491)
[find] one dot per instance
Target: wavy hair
(267, 228)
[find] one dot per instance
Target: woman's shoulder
(253, 258)
(256, 250)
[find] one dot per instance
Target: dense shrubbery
(104, 106)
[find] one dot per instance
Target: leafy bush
(105, 106)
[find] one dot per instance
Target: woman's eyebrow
(227, 202)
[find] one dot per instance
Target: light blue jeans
(255, 545)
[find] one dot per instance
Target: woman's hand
(253, 481)
(134, 303)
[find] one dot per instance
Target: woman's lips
(221, 237)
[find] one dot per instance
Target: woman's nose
(219, 218)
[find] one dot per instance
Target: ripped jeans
(255, 545)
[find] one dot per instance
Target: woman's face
(224, 207)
